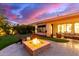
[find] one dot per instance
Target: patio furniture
(28, 38)
(76, 36)
(58, 35)
(36, 49)
(51, 35)
(71, 35)
(68, 35)
(34, 36)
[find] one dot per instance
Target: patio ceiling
(26, 13)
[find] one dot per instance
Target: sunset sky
(25, 13)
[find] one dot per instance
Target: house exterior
(61, 24)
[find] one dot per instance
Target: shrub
(54, 39)
(24, 29)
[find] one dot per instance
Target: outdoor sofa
(71, 35)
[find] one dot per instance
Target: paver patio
(57, 49)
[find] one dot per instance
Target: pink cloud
(41, 11)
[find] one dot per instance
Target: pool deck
(57, 49)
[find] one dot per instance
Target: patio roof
(56, 18)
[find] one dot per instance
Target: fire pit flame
(36, 41)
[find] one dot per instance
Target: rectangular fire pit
(35, 49)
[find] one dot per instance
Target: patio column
(49, 29)
(35, 29)
(73, 31)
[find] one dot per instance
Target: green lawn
(7, 40)
(54, 39)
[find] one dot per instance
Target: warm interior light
(35, 41)
(76, 27)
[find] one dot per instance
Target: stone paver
(57, 49)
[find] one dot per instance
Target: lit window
(76, 27)
(59, 28)
(69, 27)
(63, 29)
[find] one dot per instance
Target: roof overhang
(57, 18)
